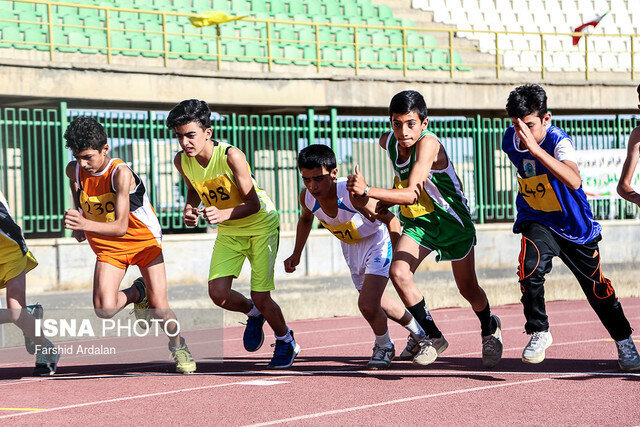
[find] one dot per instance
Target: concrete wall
(66, 264)
(26, 82)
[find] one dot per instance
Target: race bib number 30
(220, 192)
(347, 232)
(100, 208)
(423, 206)
(538, 193)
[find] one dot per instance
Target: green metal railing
(33, 158)
(267, 47)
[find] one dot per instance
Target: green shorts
(449, 246)
(230, 252)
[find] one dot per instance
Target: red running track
(578, 383)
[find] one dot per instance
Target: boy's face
(318, 181)
(192, 138)
(92, 160)
(537, 126)
(408, 127)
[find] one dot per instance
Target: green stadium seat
(329, 56)
(220, 5)
(212, 49)
(314, 8)
(36, 35)
(440, 58)
(240, 6)
(197, 48)
(337, 19)
(155, 43)
(296, 8)
(118, 42)
(285, 35)
(457, 61)
(430, 42)
(332, 8)
(344, 37)
(367, 10)
(255, 52)
(177, 47)
(408, 23)
(379, 39)
(278, 7)
(350, 9)
(418, 59)
(231, 50)
(348, 55)
(98, 39)
(9, 34)
(93, 21)
(367, 58)
(200, 6)
(384, 11)
(309, 53)
(395, 37)
(392, 59)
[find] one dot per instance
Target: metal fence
(33, 158)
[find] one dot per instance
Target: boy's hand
(525, 135)
(382, 208)
(291, 263)
(79, 235)
(356, 183)
(190, 216)
(73, 220)
(214, 215)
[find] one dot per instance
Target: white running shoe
(429, 350)
(628, 357)
(534, 351)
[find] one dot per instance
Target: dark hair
(407, 101)
(527, 99)
(190, 110)
(638, 89)
(85, 133)
(316, 156)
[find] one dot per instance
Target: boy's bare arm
(368, 207)
(566, 171)
(75, 195)
(305, 222)
(628, 169)
(427, 150)
(251, 203)
(122, 180)
(189, 212)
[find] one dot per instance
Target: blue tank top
(543, 198)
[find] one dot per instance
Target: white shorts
(371, 255)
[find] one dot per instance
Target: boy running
(555, 219)
(217, 174)
(114, 214)
(633, 153)
(366, 244)
(15, 262)
(436, 218)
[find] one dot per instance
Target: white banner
(600, 171)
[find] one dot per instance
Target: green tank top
(441, 210)
(216, 186)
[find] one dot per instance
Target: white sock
(415, 329)
(254, 312)
(287, 337)
(383, 340)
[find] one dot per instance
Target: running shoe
(534, 352)
(492, 346)
(253, 334)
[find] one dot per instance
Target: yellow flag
(206, 19)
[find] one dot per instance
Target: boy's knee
(219, 296)
(105, 312)
(367, 308)
(261, 299)
(400, 274)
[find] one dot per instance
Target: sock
(254, 312)
(179, 346)
(383, 340)
(488, 324)
(286, 338)
(424, 319)
(415, 329)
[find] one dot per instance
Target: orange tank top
(97, 201)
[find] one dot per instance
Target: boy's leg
(464, 273)
(108, 300)
(538, 247)
(407, 256)
(224, 297)
(155, 279)
(584, 262)
(262, 253)
(369, 303)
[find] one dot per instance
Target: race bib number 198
(220, 192)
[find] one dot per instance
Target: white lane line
(122, 399)
(404, 400)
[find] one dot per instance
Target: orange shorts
(124, 260)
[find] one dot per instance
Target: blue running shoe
(253, 335)
(284, 353)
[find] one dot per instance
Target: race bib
(100, 208)
(538, 193)
(220, 192)
(423, 206)
(346, 232)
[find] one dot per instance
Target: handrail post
(355, 47)
(318, 61)
(50, 26)
(542, 70)
(218, 48)
(497, 56)
(165, 41)
(586, 56)
(66, 201)
(404, 52)
(269, 45)
(108, 25)
(451, 53)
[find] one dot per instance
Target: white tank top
(349, 225)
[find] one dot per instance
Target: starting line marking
(263, 382)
